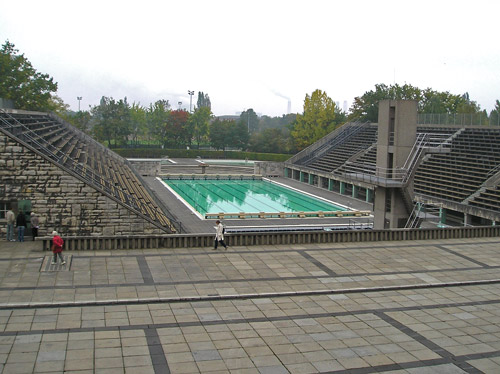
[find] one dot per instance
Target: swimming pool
(253, 197)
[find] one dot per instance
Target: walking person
(57, 247)
(21, 226)
(11, 220)
(219, 235)
(34, 225)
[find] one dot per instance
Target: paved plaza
(383, 307)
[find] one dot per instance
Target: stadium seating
(456, 176)
(339, 154)
(89, 160)
(489, 198)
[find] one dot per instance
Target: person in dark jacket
(21, 226)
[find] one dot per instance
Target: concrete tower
(397, 129)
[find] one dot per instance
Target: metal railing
(399, 176)
(334, 139)
(413, 219)
(458, 119)
(423, 212)
(65, 161)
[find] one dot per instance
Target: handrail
(414, 156)
(398, 174)
(338, 136)
(157, 201)
(493, 171)
(414, 215)
(88, 175)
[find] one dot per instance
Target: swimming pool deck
(352, 308)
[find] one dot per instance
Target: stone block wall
(149, 168)
(62, 201)
(268, 168)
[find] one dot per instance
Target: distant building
(229, 117)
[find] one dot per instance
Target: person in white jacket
(219, 235)
(11, 220)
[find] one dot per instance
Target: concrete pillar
(330, 184)
(286, 172)
(311, 179)
(342, 188)
(467, 219)
(379, 220)
(301, 178)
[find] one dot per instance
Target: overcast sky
(256, 54)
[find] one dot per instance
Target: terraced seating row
(98, 167)
(342, 152)
(488, 199)
(459, 174)
(436, 130)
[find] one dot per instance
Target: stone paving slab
(398, 307)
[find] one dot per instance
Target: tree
(272, 140)
(317, 120)
(220, 132)
(203, 101)
(495, 115)
(466, 105)
(199, 121)
(122, 124)
(250, 119)
(157, 118)
(176, 128)
(102, 117)
(82, 120)
(21, 83)
(57, 105)
(138, 122)
(365, 108)
(266, 122)
(238, 135)
(112, 121)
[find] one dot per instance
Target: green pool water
(249, 196)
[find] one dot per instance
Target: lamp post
(191, 93)
(79, 98)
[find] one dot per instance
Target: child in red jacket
(57, 246)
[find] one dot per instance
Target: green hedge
(194, 153)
